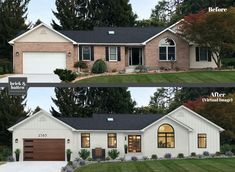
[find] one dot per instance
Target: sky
(42, 97)
(42, 9)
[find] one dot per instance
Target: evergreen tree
(83, 102)
(12, 108)
(12, 18)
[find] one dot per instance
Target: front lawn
(195, 165)
(191, 77)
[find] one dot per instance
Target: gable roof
(120, 121)
(122, 35)
(24, 33)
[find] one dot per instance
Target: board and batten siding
(150, 140)
(199, 126)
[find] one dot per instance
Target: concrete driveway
(33, 78)
(33, 166)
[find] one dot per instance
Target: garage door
(43, 62)
(44, 150)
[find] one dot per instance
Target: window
(166, 136)
(203, 54)
(134, 143)
(113, 54)
(85, 140)
(86, 53)
(167, 50)
(112, 140)
(202, 141)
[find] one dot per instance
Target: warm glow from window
(112, 140)
(85, 140)
(166, 136)
(202, 141)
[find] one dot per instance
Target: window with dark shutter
(107, 53)
(92, 53)
(197, 54)
(119, 53)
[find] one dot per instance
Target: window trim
(89, 52)
(167, 50)
(137, 135)
(198, 138)
(112, 137)
(165, 136)
(82, 146)
(116, 48)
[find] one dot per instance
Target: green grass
(192, 77)
(196, 165)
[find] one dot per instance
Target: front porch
(134, 57)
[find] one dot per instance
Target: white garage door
(43, 62)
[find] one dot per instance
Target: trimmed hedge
(99, 67)
(66, 75)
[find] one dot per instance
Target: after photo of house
(98, 127)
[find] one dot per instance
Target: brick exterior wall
(151, 52)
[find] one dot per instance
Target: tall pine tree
(13, 14)
(83, 102)
(12, 108)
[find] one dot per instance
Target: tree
(12, 108)
(38, 22)
(12, 18)
(37, 109)
(83, 102)
(86, 14)
(215, 31)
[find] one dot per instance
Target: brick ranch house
(43, 137)
(42, 49)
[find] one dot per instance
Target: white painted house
(44, 137)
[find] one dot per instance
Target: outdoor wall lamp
(16, 140)
(68, 141)
(69, 54)
(17, 53)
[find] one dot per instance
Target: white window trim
(167, 54)
(89, 52)
(199, 53)
(112, 54)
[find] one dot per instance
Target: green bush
(66, 75)
(81, 65)
(113, 154)
(5, 66)
(5, 152)
(99, 67)
(180, 155)
(141, 69)
(193, 154)
(206, 153)
(225, 148)
(154, 156)
(89, 159)
(84, 154)
(167, 156)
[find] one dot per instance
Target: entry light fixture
(16, 140)
(68, 141)
(69, 54)
(17, 53)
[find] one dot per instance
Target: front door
(135, 57)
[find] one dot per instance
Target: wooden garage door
(44, 150)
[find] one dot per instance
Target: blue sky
(42, 97)
(42, 9)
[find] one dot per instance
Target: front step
(130, 69)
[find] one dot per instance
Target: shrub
(217, 154)
(82, 163)
(134, 158)
(141, 69)
(89, 159)
(68, 152)
(154, 156)
(122, 159)
(113, 154)
(167, 155)
(193, 154)
(84, 154)
(107, 158)
(5, 152)
(99, 67)
(225, 148)
(66, 75)
(229, 153)
(5, 66)
(162, 68)
(206, 153)
(81, 65)
(180, 155)
(145, 158)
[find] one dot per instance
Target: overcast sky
(42, 9)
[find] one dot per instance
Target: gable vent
(110, 119)
(111, 32)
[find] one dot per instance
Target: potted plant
(125, 148)
(17, 154)
(69, 152)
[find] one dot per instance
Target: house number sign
(42, 135)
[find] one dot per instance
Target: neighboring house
(42, 49)
(44, 137)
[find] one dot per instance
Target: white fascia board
(112, 44)
(107, 131)
(48, 27)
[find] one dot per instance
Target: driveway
(33, 166)
(33, 78)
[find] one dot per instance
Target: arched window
(167, 50)
(166, 136)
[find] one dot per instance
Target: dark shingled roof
(121, 121)
(122, 34)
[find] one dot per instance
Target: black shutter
(119, 53)
(107, 53)
(92, 53)
(80, 53)
(197, 54)
(209, 55)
